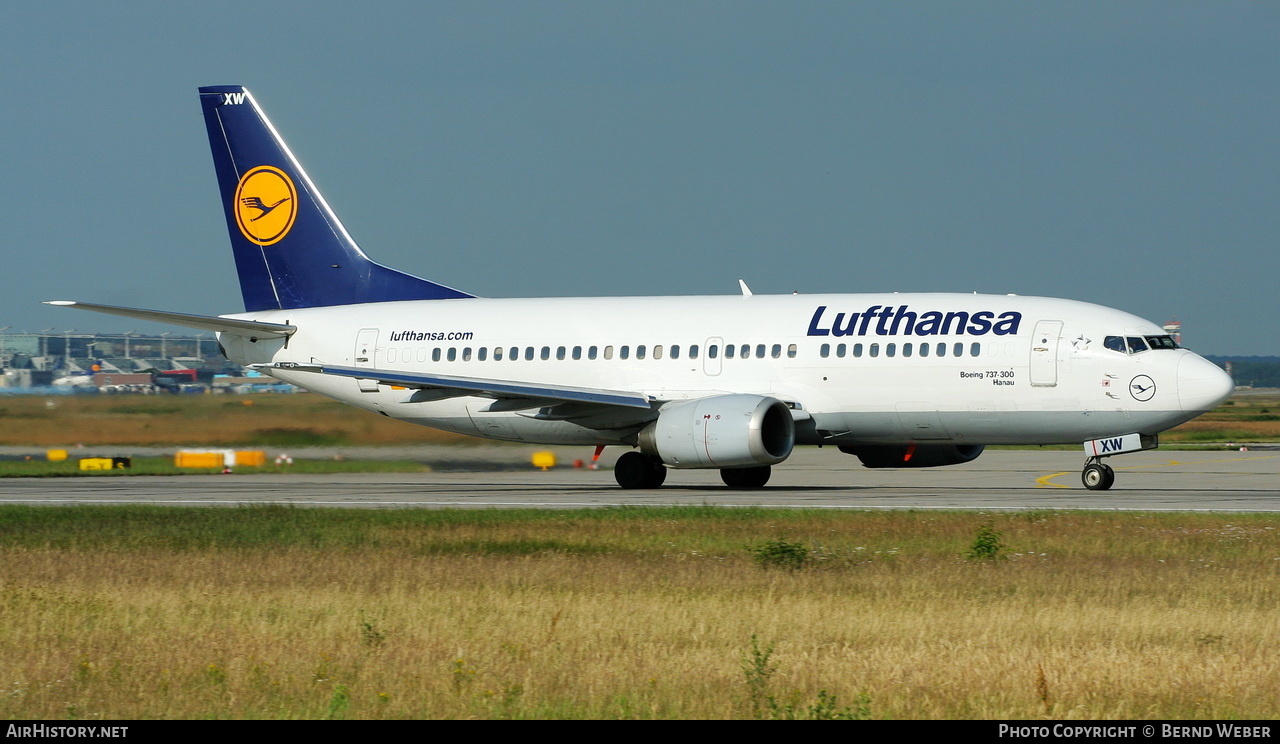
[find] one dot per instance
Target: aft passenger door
(366, 356)
(1044, 353)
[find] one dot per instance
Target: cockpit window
(1138, 344)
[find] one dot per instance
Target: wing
(510, 396)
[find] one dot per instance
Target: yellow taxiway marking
(1046, 481)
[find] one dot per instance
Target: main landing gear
(638, 470)
(745, 477)
(635, 470)
(1096, 476)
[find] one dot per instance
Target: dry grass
(277, 613)
(1245, 418)
(203, 420)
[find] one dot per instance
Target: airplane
(728, 382)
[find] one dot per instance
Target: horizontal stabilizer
(502, 389)
(202, 322)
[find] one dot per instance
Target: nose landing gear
(1096, 476)
(1099, 477)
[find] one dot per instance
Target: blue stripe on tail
(291, 250)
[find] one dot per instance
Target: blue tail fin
(291, 251)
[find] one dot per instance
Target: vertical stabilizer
(291, 250)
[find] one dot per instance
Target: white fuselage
(872, 368)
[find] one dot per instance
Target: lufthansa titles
(881, 320)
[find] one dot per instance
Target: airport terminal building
(66, 362)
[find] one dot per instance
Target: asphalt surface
(493, 476)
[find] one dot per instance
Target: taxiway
(812, 478)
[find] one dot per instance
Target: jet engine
(722, 431)
(912, 455)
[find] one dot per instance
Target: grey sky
(1119, 153)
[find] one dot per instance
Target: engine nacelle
(912, 456)
(723, 431)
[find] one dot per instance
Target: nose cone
(1202, 385)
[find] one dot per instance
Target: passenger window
(422, 353)
(435, 354)
(875, 350)
(528, 353)
(824, 351)
(713, 351)
(744, 351)
(577, 353)
(515, 353)
(452, 355)
(482, 353)
(591, 352)
(675, 351)
(890, 349)
(657, 351)
(924, 350)
(975, 349)
(640, 351)
(466, 354)
(729, 349)
(759, 351)
(546, 353)
(906, 350)
(776, 351)
(624, 352)
(608, 352)
(791, 351)
(840, 350)
(693, 351)
(958, 349)
(560, 351)
(497, 353)
(857, 350)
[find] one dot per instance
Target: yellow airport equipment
(95, 463)
(187, 459)
(544, 460)
(251, 458)
(56, 455)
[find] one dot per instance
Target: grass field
(264, 420)
(691, 613)
(1244, 418)
(305, 419)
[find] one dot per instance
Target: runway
(811, 478)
